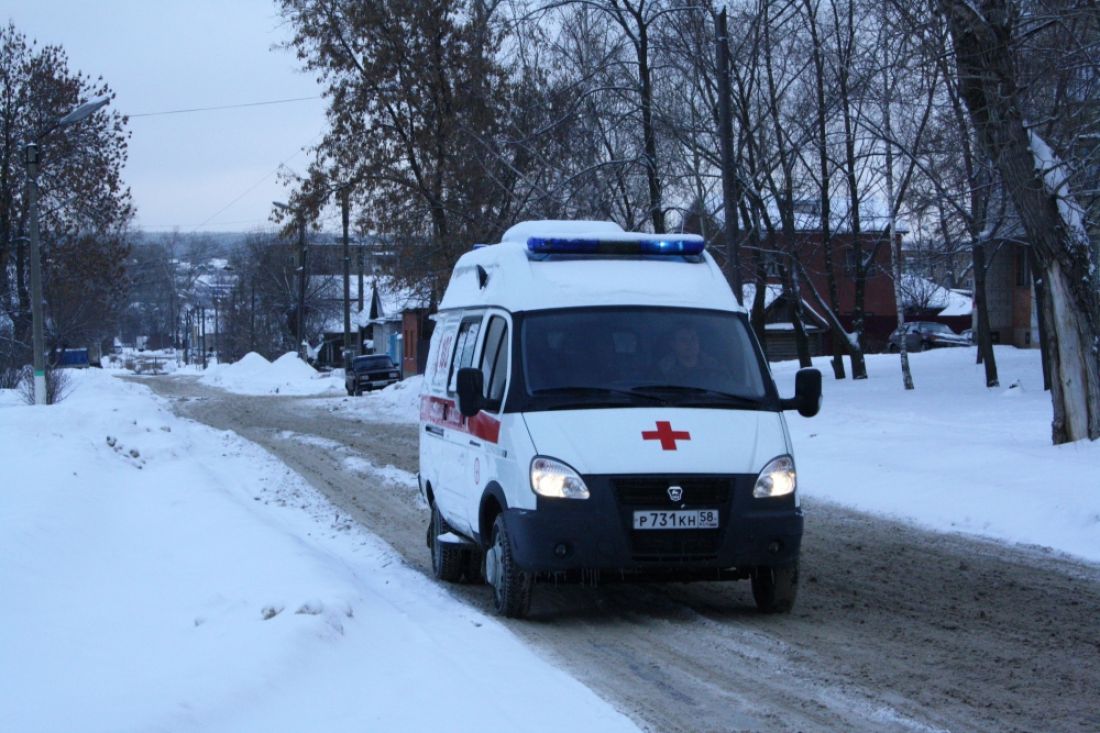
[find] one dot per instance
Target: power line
(224, 106)
(255, 185)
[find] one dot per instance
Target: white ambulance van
(596, 407)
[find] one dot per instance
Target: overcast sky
(201, 171)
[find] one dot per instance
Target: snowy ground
(951, 454)
(161, 575)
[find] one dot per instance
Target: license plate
(676, 519)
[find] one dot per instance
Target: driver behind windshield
(686, 357)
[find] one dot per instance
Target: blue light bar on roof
(588, 246)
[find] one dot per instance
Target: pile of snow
(950, 455)
(161, 575)
(255, 375)
(397, 403)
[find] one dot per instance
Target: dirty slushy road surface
(895, 629)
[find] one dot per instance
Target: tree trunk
(794, 304)
(895, 241)
(985, 338)
(1039, 295)
(986, 57)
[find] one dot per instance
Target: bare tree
(81, 194)
(991, 40)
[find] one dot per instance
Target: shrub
(58, 385)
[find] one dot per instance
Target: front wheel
(447, 559)
(511, 586)
(774, 589)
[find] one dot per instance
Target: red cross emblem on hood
(666, 435)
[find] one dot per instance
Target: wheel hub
(492, 565)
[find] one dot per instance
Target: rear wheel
(511, 586)
(447, 558)
(774, 589)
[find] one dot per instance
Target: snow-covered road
(895, 629)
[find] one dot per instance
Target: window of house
(771, 264)
(1023, 273)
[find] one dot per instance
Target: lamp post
(300, 216)
(31, 160)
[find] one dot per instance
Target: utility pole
(202, 330)
(301, 284)
(252, 317)
(344, 216)
(217, 345)
(38, 339)
(730, 186)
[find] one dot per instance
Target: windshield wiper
(577, 390)
(723, 397)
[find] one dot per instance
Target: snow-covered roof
(921, 292)
(519, 281)
(393, 301)
(771, 293)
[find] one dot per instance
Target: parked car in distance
(370, 372)
(921, 335)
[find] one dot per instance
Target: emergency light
(589, 246)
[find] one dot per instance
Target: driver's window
(494, 362)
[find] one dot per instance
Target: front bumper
(367, 381)
(597, 534)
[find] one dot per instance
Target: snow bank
(161, 575)
(397, 403)
(951, 455)
(255, 375)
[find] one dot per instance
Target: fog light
(775, 547)
(561, 550)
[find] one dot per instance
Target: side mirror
(471, 385)
(807, 393)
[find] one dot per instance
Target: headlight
(777, 479)
(555, 480)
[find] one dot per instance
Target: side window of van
(464, 349)
(494, 362)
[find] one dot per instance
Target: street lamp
(301, 217)
(31, 160)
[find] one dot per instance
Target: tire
(446, 558)
(774, 589)
(511, 586)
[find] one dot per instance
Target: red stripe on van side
(444, 412)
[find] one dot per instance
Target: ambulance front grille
(653, 491)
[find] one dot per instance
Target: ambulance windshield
(639, 355)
